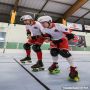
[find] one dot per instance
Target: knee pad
(54, 52)
(26, 46)
(36, 48)
(64, 53)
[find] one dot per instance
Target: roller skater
(35, 38)
(59, 37)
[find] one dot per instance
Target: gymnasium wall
(16, 36)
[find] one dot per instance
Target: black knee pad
(54, 52)
(36, 48)
(26, 46)
(64, 53)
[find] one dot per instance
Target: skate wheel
(57, 71)
(29, 61)
(22, 62)
(35, 70)
(41, 69)
(76, 79)
(54, 72)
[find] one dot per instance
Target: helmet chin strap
(30, 22)
(48, 25)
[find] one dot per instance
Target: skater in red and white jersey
(35, 39)
(59, 44)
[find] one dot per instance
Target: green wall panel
(11, 45)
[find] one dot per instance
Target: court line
(46, 87)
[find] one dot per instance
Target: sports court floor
(15, 76)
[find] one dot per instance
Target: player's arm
(44, 33)
(69, 35)
(46, 36)
(28, 34)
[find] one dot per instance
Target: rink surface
(15, 77)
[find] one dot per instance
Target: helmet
(44, 19)
(25, 17)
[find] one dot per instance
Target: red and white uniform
(35, 31)
(57, 33)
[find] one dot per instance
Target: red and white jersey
(35, 29)
(56, 32)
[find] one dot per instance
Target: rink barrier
(14, 45)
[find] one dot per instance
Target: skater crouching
(58, 45)
(35, 39)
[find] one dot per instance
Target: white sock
(70, 61)
(55, 59)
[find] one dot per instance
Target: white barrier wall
(16, 33)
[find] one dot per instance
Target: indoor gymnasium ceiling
(55, 8)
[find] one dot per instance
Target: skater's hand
(29, 37)
(71, 40)
(47, 40)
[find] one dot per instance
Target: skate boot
(28, 59)
(54, 69)
(73, 75)
(38, 66)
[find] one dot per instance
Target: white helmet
(25, 17)
(44, 19)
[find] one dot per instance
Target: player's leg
(27, 48)
(38, 51)
(64, 52)
(54, 68)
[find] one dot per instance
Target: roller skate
(73, 75)
(38, 66)
(54, 69)
(26, 59)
